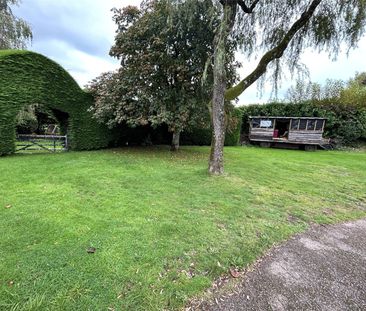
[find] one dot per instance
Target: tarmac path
(321, 269)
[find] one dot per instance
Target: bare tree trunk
(175, 140)
(216, 163)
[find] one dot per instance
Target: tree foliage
(323, 25)
(355, 92)
(311, 91)
(164, 49)
(34, 118)
(277, 32)
(15, 33)
(351, 93)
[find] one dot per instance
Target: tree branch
(245, 8)
(272, 54)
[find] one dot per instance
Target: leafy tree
(34, 118)
(314, 92)
(15, 33)
(277, 31)
(163, 51)
(27, 119)
(351, 93)
(355, 92)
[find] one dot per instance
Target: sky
(78, 35)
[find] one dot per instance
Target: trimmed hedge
(27, 78)
(202, 137)
(346, 124)
(232, 137)
(146, 135)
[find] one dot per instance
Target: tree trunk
(216, 164)
(175, 141)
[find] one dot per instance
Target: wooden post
(66, 144)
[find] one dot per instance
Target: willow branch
(272, 54)
(245, 8)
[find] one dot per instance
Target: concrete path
(322, 269)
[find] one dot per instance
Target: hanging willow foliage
(277, 32)
(15, 33)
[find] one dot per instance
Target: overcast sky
(78, 35)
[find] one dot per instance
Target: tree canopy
(345, 93)
(164, 51)
(15, 33)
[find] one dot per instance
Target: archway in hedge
(27, 78)
(40, 120)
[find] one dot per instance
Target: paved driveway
(322, 269)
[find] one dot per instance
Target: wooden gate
(36, 143)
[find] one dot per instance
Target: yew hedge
(28, 78)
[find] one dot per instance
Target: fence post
(66, 143)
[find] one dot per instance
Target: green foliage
(28, 78)
(314, 92)
(163, 229)
(164, 48)
(354, 94)
(197, 136)
(203, 136)
(14, 31)
(233, 127)
(34, 119)
(320, 24)
(26, 119)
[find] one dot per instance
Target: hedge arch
(28, 78)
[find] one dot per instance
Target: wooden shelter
(288, 131)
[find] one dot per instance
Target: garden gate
(51, 143)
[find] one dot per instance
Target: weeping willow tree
(15, 33)
(276, 32)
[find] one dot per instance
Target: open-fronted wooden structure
(287, 131)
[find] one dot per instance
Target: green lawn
(162, 228)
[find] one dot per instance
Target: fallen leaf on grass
(91, 250)
(8, 206)
(234, 273)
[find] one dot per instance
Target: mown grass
(162, 228)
